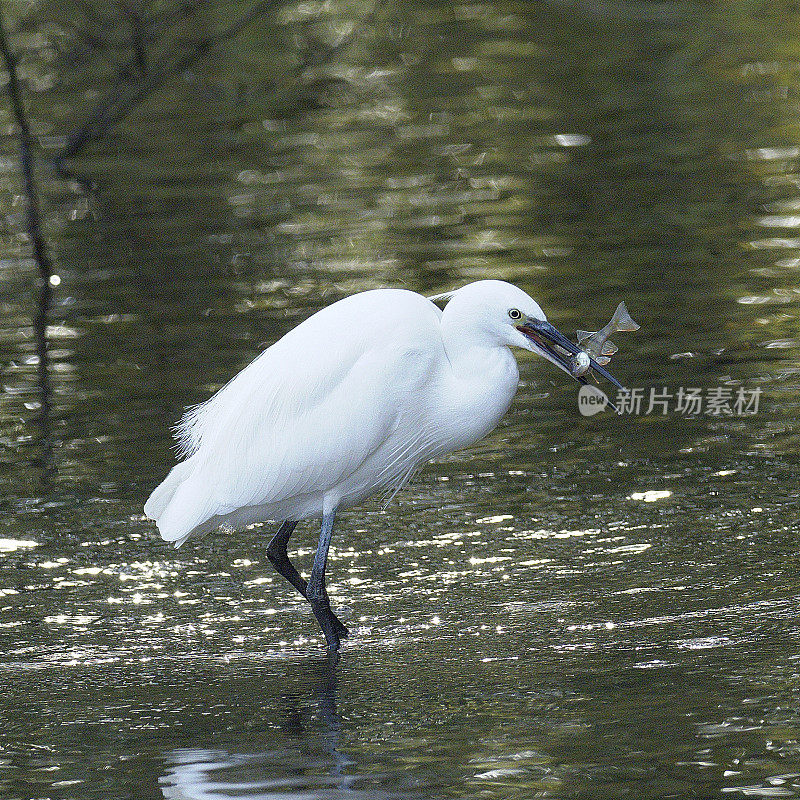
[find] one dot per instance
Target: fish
(595, 345)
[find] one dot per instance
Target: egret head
(500, 312)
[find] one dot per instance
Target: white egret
(348, 403)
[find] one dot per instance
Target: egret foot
(328, 622)
(325, 608)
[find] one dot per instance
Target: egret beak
(551, 344)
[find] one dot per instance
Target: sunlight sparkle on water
(10, 545)
(651, 496)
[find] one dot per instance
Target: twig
(147, 30)
(40, 254)
(115, 107)
(138, 30)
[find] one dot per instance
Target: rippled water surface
(599, 607)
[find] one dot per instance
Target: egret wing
(299, 419)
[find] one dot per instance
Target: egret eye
(515, 313)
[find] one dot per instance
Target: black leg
(316, 592)
(276, 553)
(279, 558)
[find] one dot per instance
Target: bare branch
(116, 105)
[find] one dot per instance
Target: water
(596, 607)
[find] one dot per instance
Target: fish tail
(622, 320)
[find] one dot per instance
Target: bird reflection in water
(305, 762)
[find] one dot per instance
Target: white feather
(349, 402)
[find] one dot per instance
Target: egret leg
(316, 592)
(279, 558)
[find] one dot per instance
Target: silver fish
(596, 344)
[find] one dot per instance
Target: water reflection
(538, 725)
(310, 762)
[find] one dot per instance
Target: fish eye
(515, 313)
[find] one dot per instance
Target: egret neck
(482, 379)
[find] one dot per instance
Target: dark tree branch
(147, 31)
(119, 102)
(138, 31)
(116, 105)
(40, 254)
